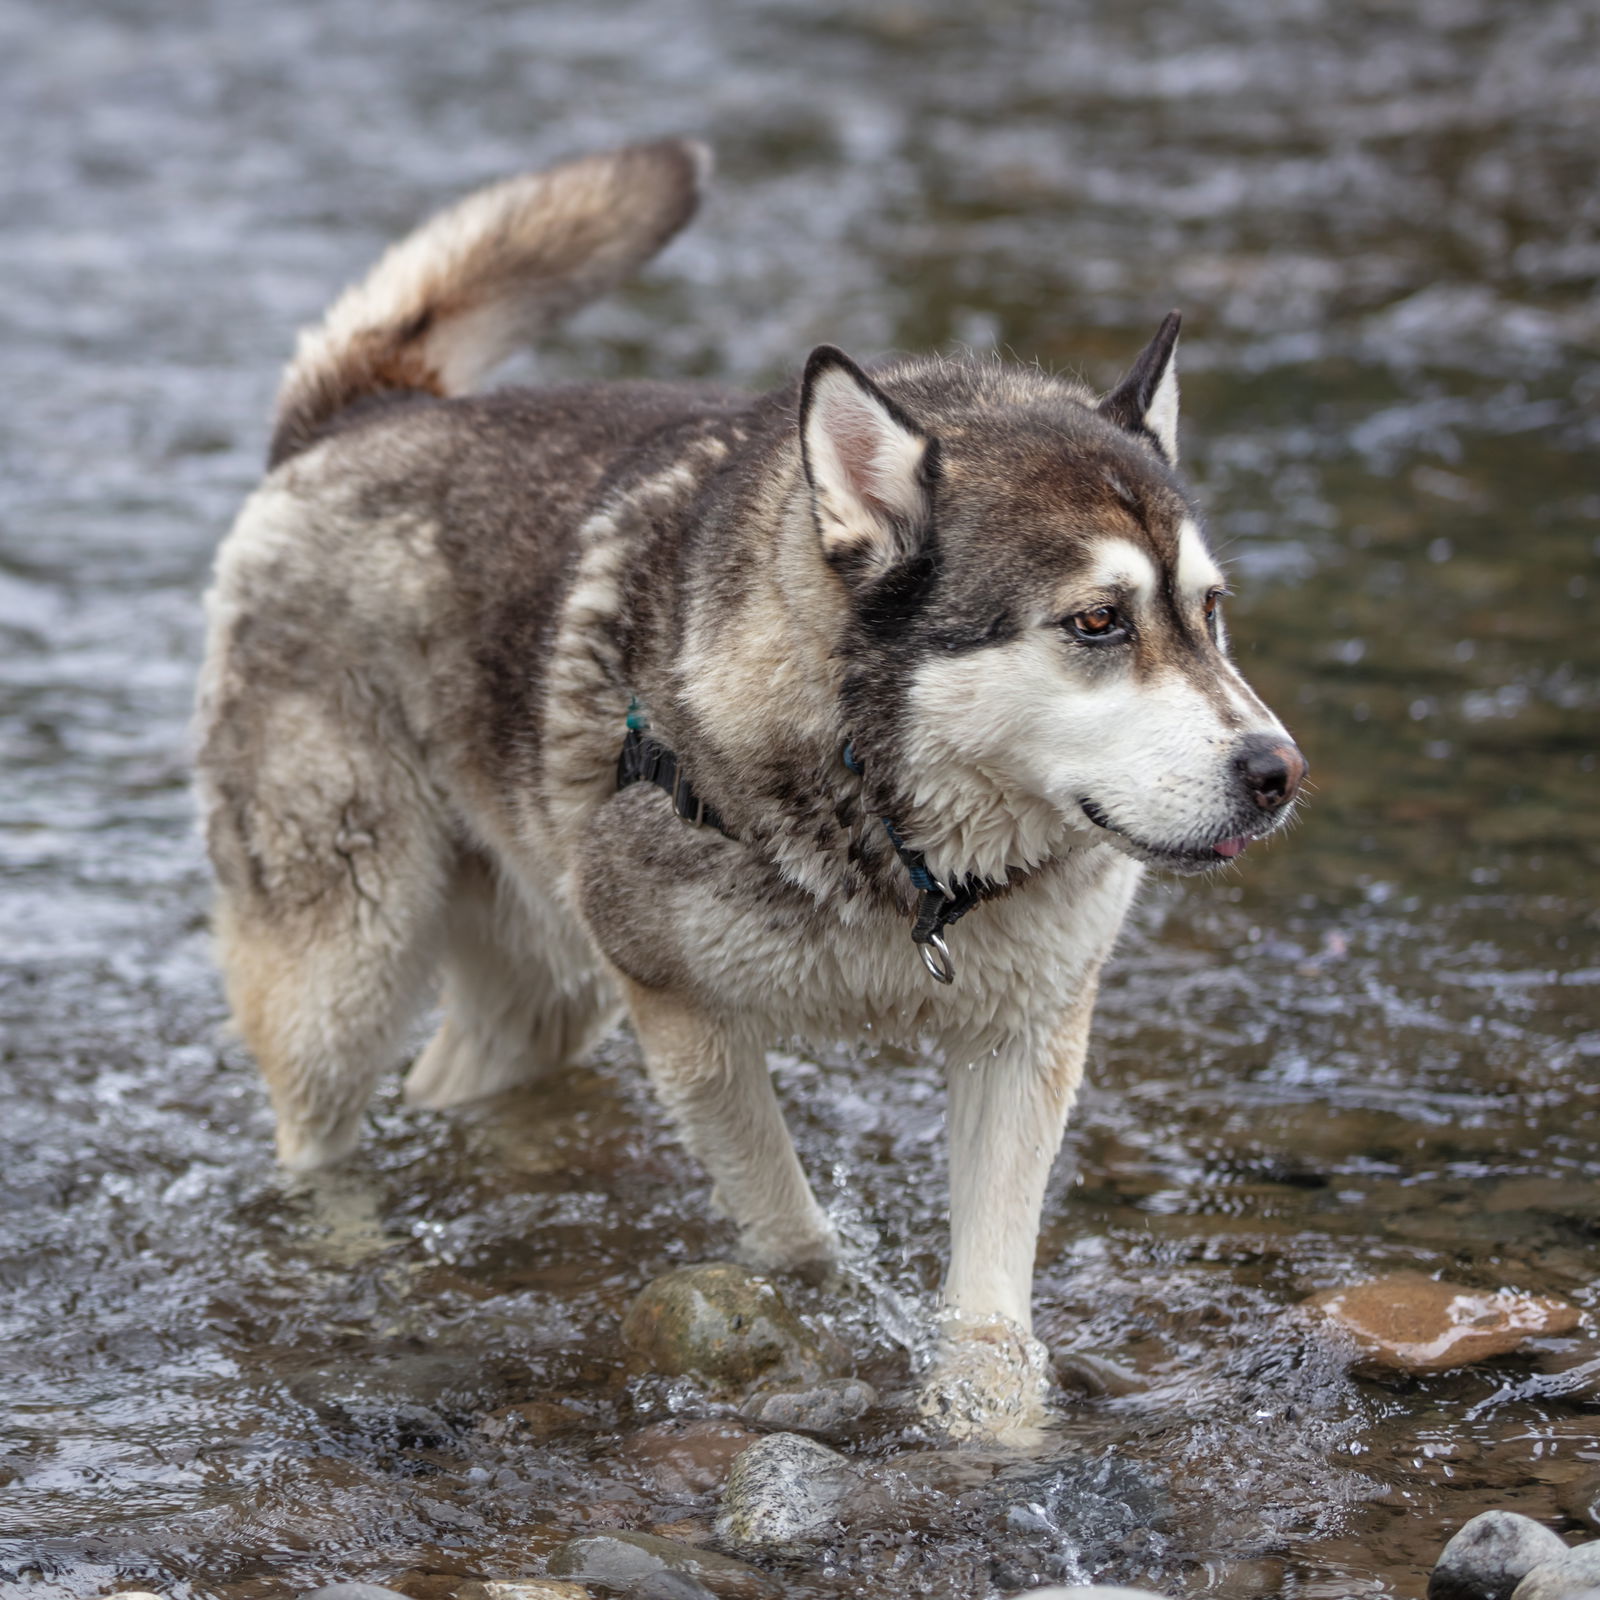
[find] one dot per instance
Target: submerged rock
(1580, 1499)
(669, 1586)
(944, 1472)
(1572, 1373)
(722, 1323)
(353, 1591)
(688, 1457)
(927, 1488)
(620, 1560)
(686, 1530)
(1490, 1555)
(523, 1589)
(827, 1407)
(1413, 1323)
(784, 1495)
(1242, 1578)
(1573, 1573)
(418, 1585)
(1097, 1375)
(1096, 1591)
(533, 1420)
(1049, 1520)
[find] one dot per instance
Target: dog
(856, 709)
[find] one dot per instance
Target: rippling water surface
(1374, 1046)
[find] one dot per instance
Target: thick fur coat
(432, 622)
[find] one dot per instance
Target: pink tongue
(1231, 847)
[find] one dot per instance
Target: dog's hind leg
(523, 993)
(332, 856)
(711, 1075)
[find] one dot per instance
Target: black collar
(938, 905)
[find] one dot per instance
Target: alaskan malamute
(860, 706)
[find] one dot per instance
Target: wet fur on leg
(523, 994)
(711, 1075)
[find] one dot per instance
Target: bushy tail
(449, 303)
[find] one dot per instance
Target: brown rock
(687, 1457)
(726, 1325)
(1412, 1323)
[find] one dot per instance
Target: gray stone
(669, 1586)
(1490, 1555)
(353, 1591)
(828, 1407)
(1573, 1574)
(784, 1496)
(724, 1324)
(619, 1560)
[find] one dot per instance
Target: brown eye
(1102, 624)
(1211, 602)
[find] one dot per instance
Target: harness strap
(644, 759)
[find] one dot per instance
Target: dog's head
(1035, 643)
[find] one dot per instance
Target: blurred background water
(1374, 1046)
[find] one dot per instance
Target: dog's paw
(811, 1254)
(990, 1383)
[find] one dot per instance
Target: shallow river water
(1373, 1046)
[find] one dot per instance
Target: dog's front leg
(1007, 1114)
(711, 1074)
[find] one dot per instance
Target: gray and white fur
(430, 621)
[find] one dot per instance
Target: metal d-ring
(936, 958)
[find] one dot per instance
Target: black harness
(644, 759)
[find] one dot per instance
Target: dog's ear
(870, 467)
(1146, 401)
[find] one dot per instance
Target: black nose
(1271, 769)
